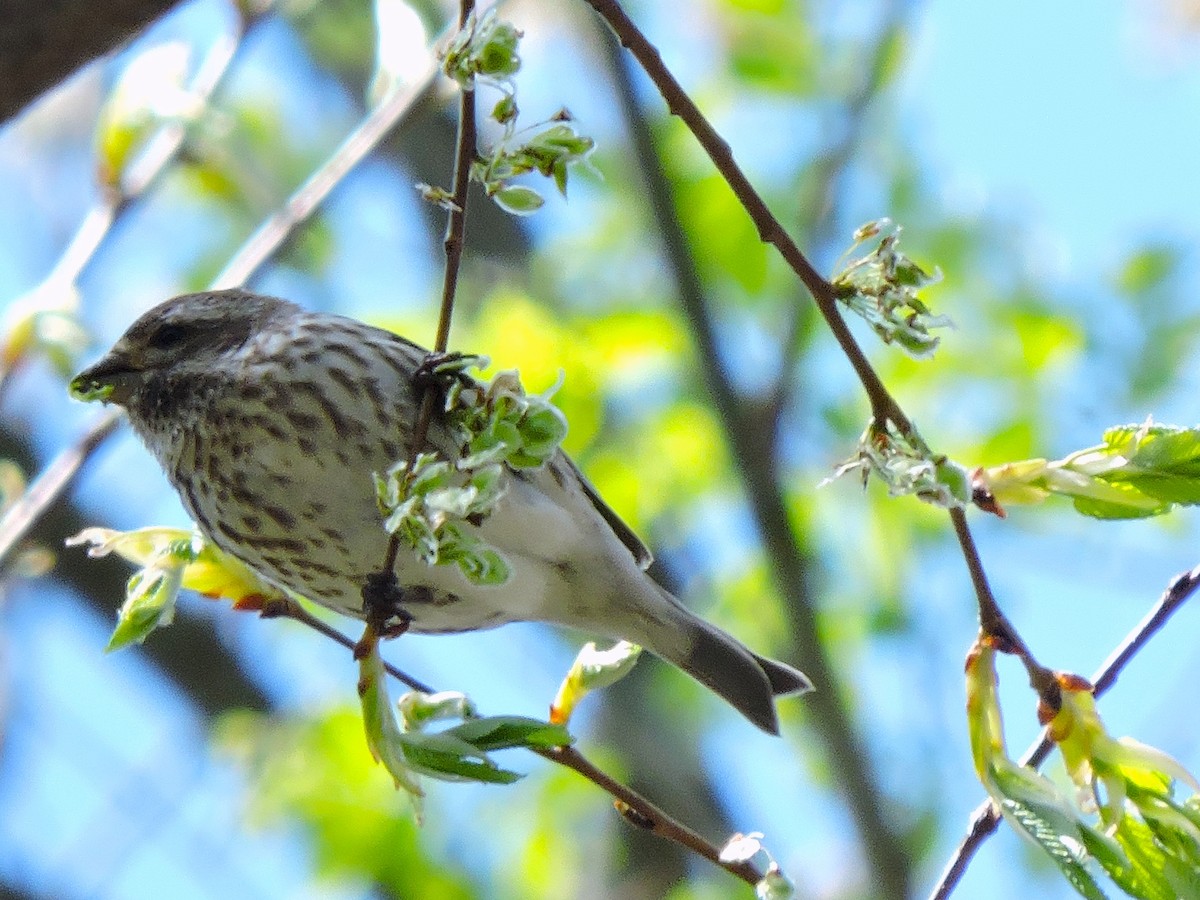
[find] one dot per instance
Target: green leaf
(485, 47)
(442, 755)
(149, 604)
(907, 466)
(1143, 873)
(518, 200)
(384, 738)
(418, 709)
(593, 669)
(773, 53)
(1106, 509)
(505, 109)
(502, 732)
(484, 566)
(1156, 446)
(1147, 269)
(882, 286)
(1048, 829)
(543, 431)
(1139, 471)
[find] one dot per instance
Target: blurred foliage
(317, 770)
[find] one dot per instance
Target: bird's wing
(641, 553)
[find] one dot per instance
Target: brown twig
(635, 808)
(456, 219)
(994, 624)
(883, 407)
(986, 817)
(844, 750)
(287, 608)
(643, 814)
(49, 486)
(365, 137)
(456, 223)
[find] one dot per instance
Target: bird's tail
(749, 682)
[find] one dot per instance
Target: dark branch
(883, 407)
(42, 43)
(844, 750)
(456, 223)
(994, 624)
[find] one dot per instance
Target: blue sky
(1081, 117)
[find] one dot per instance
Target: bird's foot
(442, 369)
(383, 604)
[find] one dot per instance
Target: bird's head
(187, 337)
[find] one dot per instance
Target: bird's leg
(428, 374)
(383, 604)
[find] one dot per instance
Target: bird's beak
(111, 380)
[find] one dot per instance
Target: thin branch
(635, 808)
(456, 220)
(456, 224)
(365, 137)
(844, 750)
(287, 608)
(641, 813)
(986, 817)
(994, 624)
(49, 486)
(883, 407)
(41, 44)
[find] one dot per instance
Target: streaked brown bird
(269, 421)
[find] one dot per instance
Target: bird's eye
(167, 336)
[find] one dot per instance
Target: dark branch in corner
(41, 44)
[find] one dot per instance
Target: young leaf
(502, 732)
(592, 670)
(1139, 471)
(882, 287)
